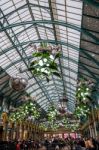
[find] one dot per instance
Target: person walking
(18, 146)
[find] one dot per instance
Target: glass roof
(27, 22)
(89, 48)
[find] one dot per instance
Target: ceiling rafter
(22, 7)
(34, 11)
(62, 23)
(42, 40)
(89, 56)
(21, 55)
(33, 19)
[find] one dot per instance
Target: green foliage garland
(24, 111)
(81, 110)
(82, 93)
(44, 63)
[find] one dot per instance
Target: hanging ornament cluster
(83, 91)
(18, 82)
(63, 105)
(52, 113)
(24, 112)
(43, 126)
(55, 121)
(44, 62)
(53, 126)
(74, 127)
(83, 96)
(44, 46)
(63, 123)
(82, 110)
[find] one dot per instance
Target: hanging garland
(43, 126)
(52, 113)
(44, 63)
(23, 112)
(74, 127)
(83, 91)
(81, 110)
(54, 121)
(53, 126)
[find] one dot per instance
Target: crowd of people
(51, 144)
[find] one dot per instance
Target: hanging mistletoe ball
(44, 63)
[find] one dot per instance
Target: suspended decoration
(63, 105)
(54, 120)
(43, 126)
(83, 91)
(84, 100)
(24, 112)
(27, 98)
(18, 83)
(44, 63)
(74, 127)
(82, 110)
(52, 113)
(63, 123)
(49, 125)
(53, 126)
(45, 47)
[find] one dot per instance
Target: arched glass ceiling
(31, 21)
(89, 53)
